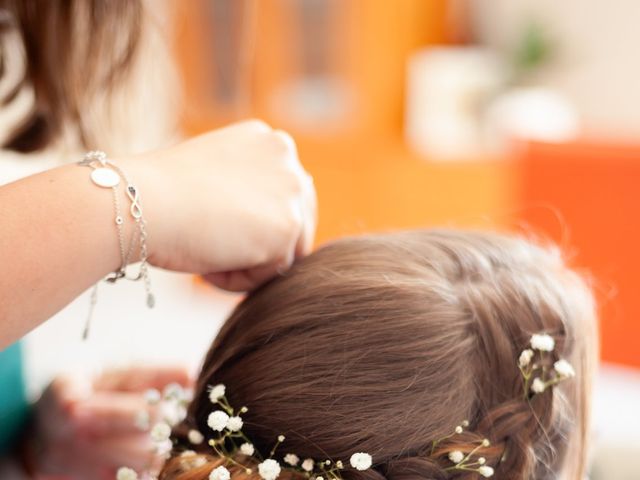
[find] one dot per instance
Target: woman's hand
(88, 429)
(234, 205)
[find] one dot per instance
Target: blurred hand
(87, 430)
(234, 205)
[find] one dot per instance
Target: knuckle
(296, 185)
(289, 223)
(256, 125)
(285, 145)
(285, 139)
(283, 229)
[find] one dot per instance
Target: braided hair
(385, 343)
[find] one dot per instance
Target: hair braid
(383, 344)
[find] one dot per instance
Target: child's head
(385, 343)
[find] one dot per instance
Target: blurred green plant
(533, 50)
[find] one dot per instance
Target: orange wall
(587, 196)
(368, 46)
(365, 175)
(378, 185)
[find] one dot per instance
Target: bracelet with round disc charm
(105, 177)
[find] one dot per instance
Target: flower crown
(231, 440)
(231, 444)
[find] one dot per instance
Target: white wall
(598, 57)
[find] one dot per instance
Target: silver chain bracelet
(107, 174)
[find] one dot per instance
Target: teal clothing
(13, 402)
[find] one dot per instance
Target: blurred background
(511, 114)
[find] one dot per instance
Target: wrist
(144, 172)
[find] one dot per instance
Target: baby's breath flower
(247, 449)
(197, 462)
(458, 429)
(525, 358)
(319, 478)
(360, 461)
(173, 391)
(465, 423)
(543, 342)
(220, 473)
(152, 396)
(485, 471)
(188, 395)
(217, 420)
(125, 473)
(281, 438)
(191, 459)
(173, 412)
(339, 464)
(160, 432)
(292, 459)
(308, 464)
(538, 386)
(141, 420)
(216, 393)
(456, 456)
(269, 469)
(163, 448)
(234, 424)
(195, 437)
(486, 442)
(564, 369)
(244, 410)
(482, 460)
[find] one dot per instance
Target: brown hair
(75, 51)
(385, 343)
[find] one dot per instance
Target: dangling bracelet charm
(136, 213)
(107, 174)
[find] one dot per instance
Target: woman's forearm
(233, 204)
(57, 237)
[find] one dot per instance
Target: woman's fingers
(306, 203)
(245, 280)
(133, 451)
(95, 428)
(115, 402)
(109, 413)
(244, 128)
(141, 379)
(241, 203)
(310, 218)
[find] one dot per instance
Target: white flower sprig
(269, 469)
(456, 431)
(361, 461)
(228, 424)
(171, 404)
(468, 464)
(459, 459)
(542, 342)
(218, 420)
(125, 473)
(220, 473)
(231, 440)
(534, 366)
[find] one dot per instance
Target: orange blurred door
(587, 196)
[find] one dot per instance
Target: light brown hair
(75, 51)
(384, 343)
